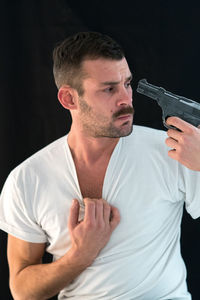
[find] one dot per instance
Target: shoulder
(147, 144)
(146, 148)
(43, 159)
(145, 135)
(148, 132)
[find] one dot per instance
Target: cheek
(103, 115)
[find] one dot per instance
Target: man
(105, 201)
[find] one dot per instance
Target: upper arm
(22, 254)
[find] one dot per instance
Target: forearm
(30, 280)
(43, 281)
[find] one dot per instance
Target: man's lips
(124, 117)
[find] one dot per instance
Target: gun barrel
(149, 90)
(171, 104)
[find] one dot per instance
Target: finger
(173, 154)
(175, 134)
(115, 218)
(73, 214)
(179, 123)
(99, 210)
(89, 210)
(171, 143)
(106, 213)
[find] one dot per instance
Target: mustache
(124, 111)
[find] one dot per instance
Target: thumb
(115, 219)
(73, 214)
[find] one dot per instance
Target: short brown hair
(70, 53)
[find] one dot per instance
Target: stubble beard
(98, 126)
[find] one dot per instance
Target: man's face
(105, 109)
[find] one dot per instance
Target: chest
(146, 209)
(91, 180)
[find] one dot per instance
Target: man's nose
(125, 97)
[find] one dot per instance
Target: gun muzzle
(149, 90)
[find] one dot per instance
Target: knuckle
(90, 203)
(169, 132)
(89, 224)
(191, 130)
(98, 206)
(86, 200)
(99, 202)
(167, 141)
(184, 139)
(101, 226)
(107, 207)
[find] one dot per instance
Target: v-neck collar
(109, 169)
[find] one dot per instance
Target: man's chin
(121, 132)
(113, 131)
(127, 132)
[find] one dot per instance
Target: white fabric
(142, 260)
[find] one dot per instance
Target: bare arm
(32, 280)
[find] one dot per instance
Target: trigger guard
(169, 126)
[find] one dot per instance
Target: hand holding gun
(171, 104)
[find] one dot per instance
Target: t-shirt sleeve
(190, 185)
(16, 212)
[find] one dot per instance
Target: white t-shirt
(142, 260)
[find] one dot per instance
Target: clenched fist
(89, 236)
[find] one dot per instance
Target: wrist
(79, 259)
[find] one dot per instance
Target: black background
(161, 42)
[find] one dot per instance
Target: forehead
(105, 70)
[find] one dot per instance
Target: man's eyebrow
(116, 82)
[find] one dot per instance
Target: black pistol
(171, 104)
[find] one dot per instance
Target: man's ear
(66, 96)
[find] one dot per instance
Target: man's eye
(128, 84)
(108, 90)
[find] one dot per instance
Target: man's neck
(90, 150)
